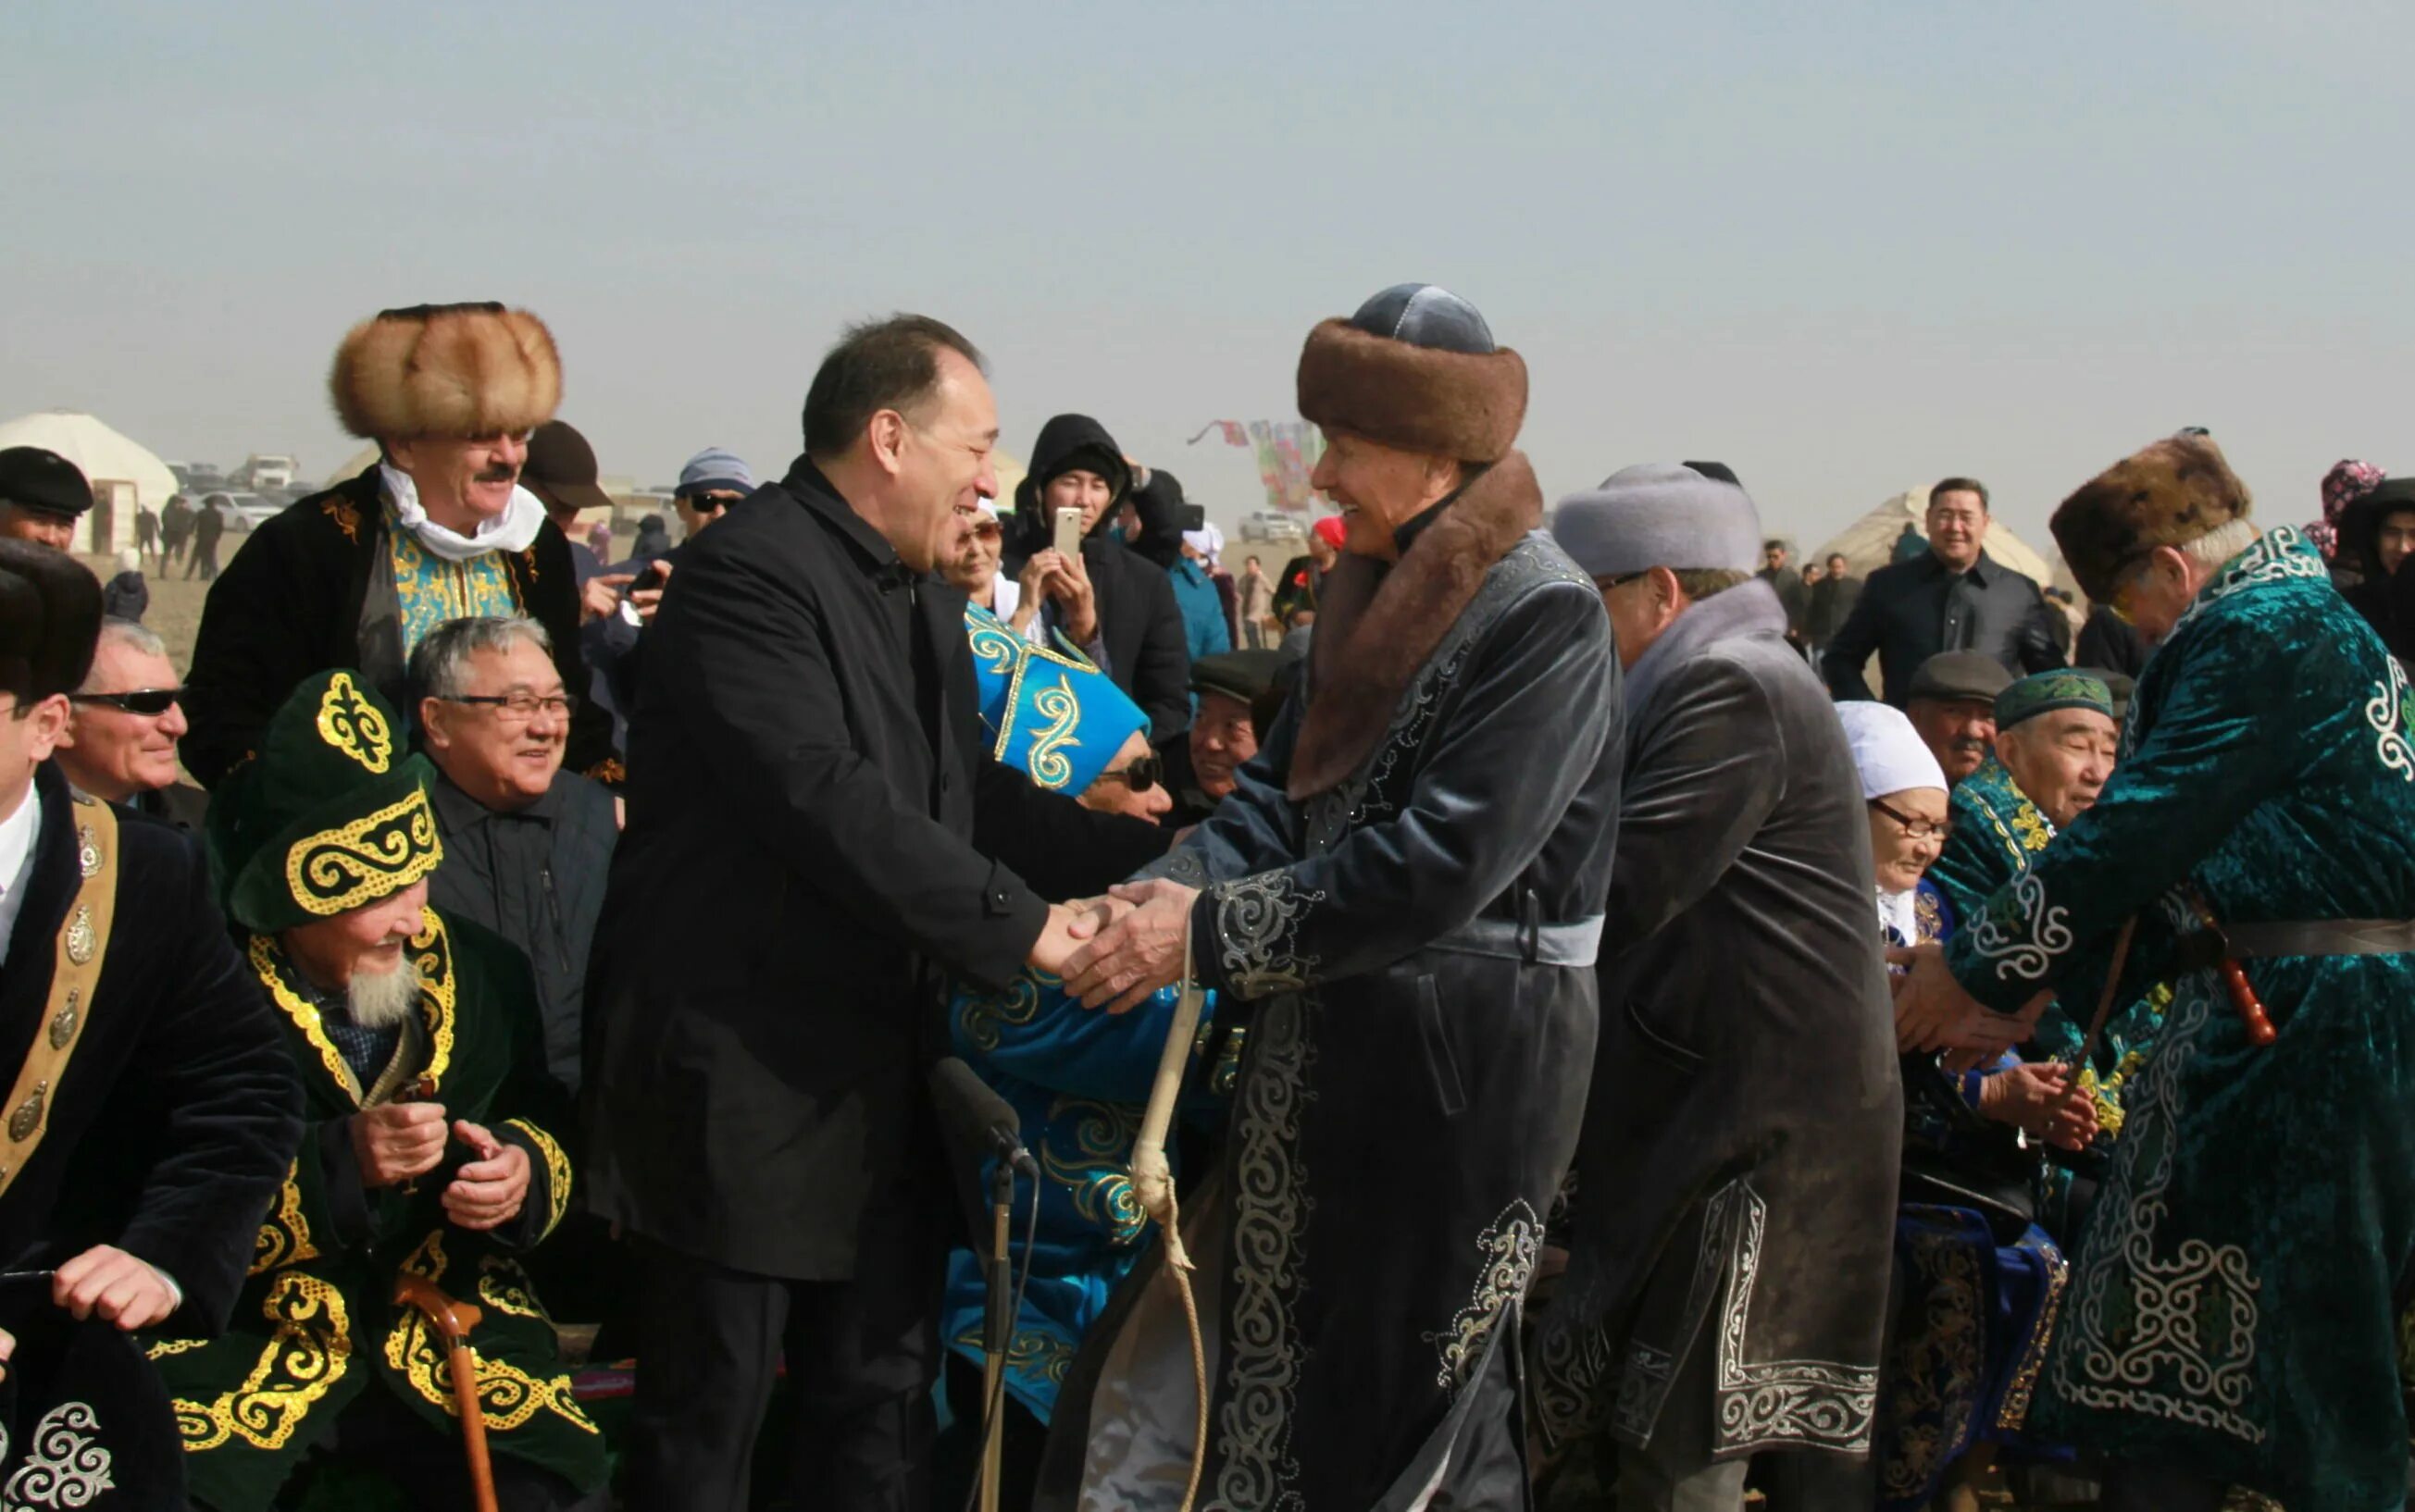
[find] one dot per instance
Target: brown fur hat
(460, 370)
(2169, 494)
(1420, 396)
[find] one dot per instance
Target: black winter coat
(812, 823)
(1736, 1182)
(290, 603)
(180, 1111)
(1911, 610)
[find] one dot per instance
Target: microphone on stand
(977, 1118)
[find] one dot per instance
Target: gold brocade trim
(352, 724)
(1031, 1350)
(430, 958)
(74, 989)
(347, 519)
(1097, 1171)
(304, 1357)
(2015, 1409)
(508, 1396)
(285, 1233)
(985, 1017)
(557, 1171)
(1938, 1365)
(338, 870)
(166, 1347)
(505, 1287)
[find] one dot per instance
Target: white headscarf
(511, 530)
(1891, 756)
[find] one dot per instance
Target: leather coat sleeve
(233, 1106)
(1478, 811)
(1060, 848)
(2040, 651)
(2216, 749)
(1849, 650)
(1699, 783)
(773, 739)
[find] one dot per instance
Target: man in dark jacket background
(811, 800)
(1954, 597)
(1115, 605)
(1746, 1038)
(1833, 598)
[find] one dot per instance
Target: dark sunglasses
(139, 701)
(1914, 829)
(1140, 774)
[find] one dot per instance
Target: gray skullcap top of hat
(1660, 515)
(1425, 315)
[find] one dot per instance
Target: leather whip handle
(2243, 1000)
(452, 1321)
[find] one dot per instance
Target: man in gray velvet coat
(1727, 1272)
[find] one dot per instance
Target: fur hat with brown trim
(1416, 368)
(2169, 494)
(460, 371)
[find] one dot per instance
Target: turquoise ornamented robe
(2234, 1305)
(1079, 1079)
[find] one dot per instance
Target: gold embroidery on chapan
(305, 1358)
(284, 1238)
(508, 1396)
(338, 870)
(352, 724)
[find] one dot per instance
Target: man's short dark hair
(890, 364)
(1961, 486)
(1772, 546)
(1838, 556)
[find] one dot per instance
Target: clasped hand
(1932, 1012)
(1115, 951)
(399, 1142)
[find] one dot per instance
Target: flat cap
(1956, 675)
(34, 478)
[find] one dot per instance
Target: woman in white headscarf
(1977, 1277)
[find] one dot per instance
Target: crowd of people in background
(1638, 1059)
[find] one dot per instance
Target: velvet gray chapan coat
(1737, 1180)
(1412, 940)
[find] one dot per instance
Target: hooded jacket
(2386, 599)
(1140, 625)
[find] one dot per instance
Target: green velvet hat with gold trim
(332, 815)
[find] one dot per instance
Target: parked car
(245, 511)
(1272, 524)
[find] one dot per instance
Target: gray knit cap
(1660, 515)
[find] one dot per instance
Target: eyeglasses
(1139, 774)
(1913, 828)
(518, 707)
(139, 701)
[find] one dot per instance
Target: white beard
(385, 1000)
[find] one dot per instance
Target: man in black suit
(1953, 597)
(812, 818)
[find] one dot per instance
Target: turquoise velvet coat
(2234, 1303)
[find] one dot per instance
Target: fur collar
(1375, 627)
(1749, 608)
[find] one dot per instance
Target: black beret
(1957, 675)
(1246, 675)
(50, 620)
(32, 478)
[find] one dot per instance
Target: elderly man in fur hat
(2232, 1317)
(439, 529)
(1406, 888)
(429, 1148)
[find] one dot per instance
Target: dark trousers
(378, 1436)
(862, 1357)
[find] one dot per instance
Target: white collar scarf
(513, 529)
(1899, 916)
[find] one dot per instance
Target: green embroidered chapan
(2235, 1304)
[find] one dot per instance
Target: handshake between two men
(1113, 952)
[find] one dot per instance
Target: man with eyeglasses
(123, 725)
(440, 528)
(527, 844)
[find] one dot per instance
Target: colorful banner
(1287, 453)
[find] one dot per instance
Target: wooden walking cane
(452, 1322)
(1153, 1184)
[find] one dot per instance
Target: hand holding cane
(452, 1321)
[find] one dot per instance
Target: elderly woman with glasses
(1976, 1276)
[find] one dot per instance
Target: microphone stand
(998, 1327)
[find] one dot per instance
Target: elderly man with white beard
(429, 1148)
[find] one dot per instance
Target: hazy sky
(1844, 248)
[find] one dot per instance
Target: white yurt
(124, 474)
(1869, 542)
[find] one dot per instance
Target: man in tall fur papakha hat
(1410, 904)
(438, 530)
(2232, 1317)
(151, 1111)
(429, 1149)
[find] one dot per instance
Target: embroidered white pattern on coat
(1507, 1247)
(1271, 1212)
(1766, 1403)
(65, 1463)
(2385, 711)
(1257, 922)
(2277, 556)
(2181, 1343)
(2026, 953)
